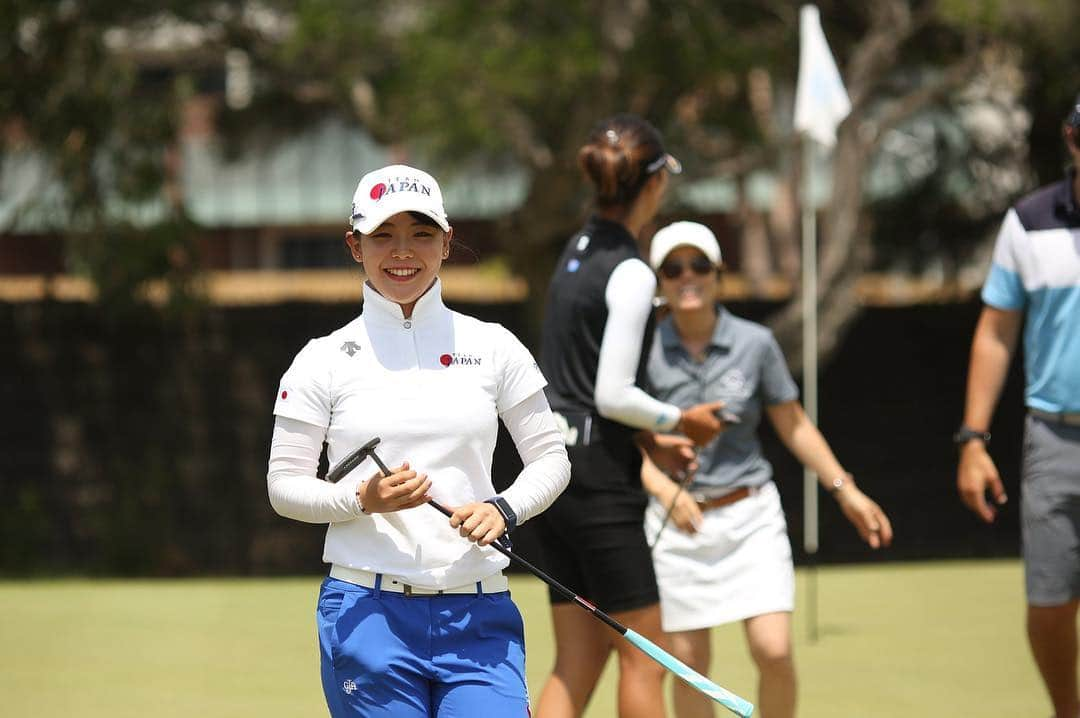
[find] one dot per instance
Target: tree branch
(911, 103)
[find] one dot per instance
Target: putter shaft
(724, 697)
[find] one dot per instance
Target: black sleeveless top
(576, 313)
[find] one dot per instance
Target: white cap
(683, 234)
(396, 188)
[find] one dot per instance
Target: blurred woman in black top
(598, 316)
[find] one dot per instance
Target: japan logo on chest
(459, 359)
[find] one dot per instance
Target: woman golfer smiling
(415, 618)
(727, 556)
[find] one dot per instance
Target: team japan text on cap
(393, 189)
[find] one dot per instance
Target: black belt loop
(479, 588)
(378, 585)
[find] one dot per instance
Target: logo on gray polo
(733, 383)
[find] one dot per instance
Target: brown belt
(718, 501)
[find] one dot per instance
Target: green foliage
(522, 77)
(492, 68)
(458, 80)
(124, 259)
(105, 123)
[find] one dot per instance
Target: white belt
(490, 584)
(1069, 418)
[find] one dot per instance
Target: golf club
(687, 476)
(724, 697)
(684, 481)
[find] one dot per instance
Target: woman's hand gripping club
(399, 488)
(714, 691)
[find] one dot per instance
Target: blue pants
(388, 655)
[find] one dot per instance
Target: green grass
(942, 639)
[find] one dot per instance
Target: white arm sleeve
(539, 442)
(629, 296)
(295, 491)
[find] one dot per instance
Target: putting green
(930, 639)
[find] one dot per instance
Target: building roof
(308, 178)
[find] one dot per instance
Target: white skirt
(736, 566)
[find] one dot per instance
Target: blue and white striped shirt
(1036, 269)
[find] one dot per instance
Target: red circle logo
(445, 359)
(378, 190)
(284, 395)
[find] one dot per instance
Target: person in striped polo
(1034, 282)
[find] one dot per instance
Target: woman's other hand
(402, 489)
(865, 515)
(685, 513)
(671, 494)
(479, 522)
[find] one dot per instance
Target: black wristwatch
(965, 434)
(509, 517)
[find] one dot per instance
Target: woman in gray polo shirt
(727, 556)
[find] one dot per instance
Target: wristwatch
(509, 517)
(965, 434)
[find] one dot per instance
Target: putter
(728, 418)
(683, 482)
(721, 695)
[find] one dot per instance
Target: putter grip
(735, 704)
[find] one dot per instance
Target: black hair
(617, 156)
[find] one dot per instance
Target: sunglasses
(699, 265)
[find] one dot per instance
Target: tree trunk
(845, 251)
(534, 236)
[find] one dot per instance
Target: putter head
(351, 461)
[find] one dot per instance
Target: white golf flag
(821, 102)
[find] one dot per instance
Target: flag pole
(821, 104)
(810, 379)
